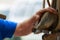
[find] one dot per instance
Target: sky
(6, 3)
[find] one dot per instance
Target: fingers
(51, 10)
(40, 13)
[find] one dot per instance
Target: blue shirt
(7, 29)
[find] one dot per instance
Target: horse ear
(2, 16)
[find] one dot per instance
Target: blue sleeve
(7, 28)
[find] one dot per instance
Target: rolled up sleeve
(7, 28)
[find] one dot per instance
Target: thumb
(34, 19)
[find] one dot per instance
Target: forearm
(25, 27)
(20, 29)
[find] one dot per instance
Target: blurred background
(20, 10)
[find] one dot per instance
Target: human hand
(26, 27)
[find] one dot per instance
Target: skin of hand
(26, 27)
